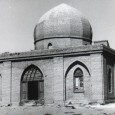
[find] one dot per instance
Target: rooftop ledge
(89, 49)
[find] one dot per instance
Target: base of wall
(62, 103)
(109, 101)
(77, 102)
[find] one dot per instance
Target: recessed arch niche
(70, 92)
(32, 84)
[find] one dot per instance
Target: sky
(19, 17)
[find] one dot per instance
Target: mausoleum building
(65, 66)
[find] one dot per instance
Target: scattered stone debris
(70, 105)
(69, 112)
(47, 114)
(76, 114)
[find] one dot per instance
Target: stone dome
(63, 21)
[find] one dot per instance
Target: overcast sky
(19, 17)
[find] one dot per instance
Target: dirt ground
(57, 110)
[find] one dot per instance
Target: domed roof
(63, 21)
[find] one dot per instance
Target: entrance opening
(32, 85)
(33, 90)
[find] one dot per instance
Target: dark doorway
(32, 85)
(33, 90)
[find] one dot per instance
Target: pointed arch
(78, 79)
(49, 46)
(75, 63)
(32, 84)
(78, 72)
(30, 73)
(71, 72)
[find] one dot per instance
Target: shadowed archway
(32, 84)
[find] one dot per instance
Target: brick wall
(45, 66)
(97, 78)
(6, 83)
(59, 43)
(58, 80)
(108, 64)
(54, 71)
(85, 96)
(1, 67)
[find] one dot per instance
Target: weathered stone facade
(57, 66)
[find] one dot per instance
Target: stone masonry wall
(6, 83)
(45, 65)
(58, 81)
(108, 64)
(70, 95)
(54, 70)
(1, 67)
(59, 43)
(97, 78)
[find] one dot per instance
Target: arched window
(49, 46)
(78, 80)
(32, 84)
(109, 81)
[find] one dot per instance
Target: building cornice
(40, 54)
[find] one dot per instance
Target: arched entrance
(32, 85)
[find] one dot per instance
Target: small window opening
(110, 81)
(49, 46)
(78, 80)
